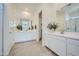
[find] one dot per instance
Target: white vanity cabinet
(72, 47)
(56, 44)
(63, 44)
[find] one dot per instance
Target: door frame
(40, 34)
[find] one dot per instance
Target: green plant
(55, 26)
(19, 27)
(49, 26)
(52, 26)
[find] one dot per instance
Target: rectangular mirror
(69, 17)
(19, 25)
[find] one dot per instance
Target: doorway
(40, 26)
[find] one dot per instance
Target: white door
(1, 12)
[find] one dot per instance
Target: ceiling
(30, 7)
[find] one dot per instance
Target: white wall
(60, 15)
(48, 16)
(60, 19)
(8, 36)
(1, 15)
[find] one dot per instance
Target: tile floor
(31, 48)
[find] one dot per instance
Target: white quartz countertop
(71, 35)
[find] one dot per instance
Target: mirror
(68, 17)
(19, 25)
(25, 24)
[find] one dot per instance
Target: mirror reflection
(69, 16)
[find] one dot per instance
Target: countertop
(71, 35)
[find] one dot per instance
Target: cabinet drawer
(72, 47)
(62, 39)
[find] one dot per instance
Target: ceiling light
(26, 13)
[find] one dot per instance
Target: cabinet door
(72, 47)
(46, 40)
(56, 44)
(60, 45)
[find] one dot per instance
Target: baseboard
(25, 41)
(52, 51)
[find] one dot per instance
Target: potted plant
(55, 26)
(49, 26)
(52, 26)
(19, 27)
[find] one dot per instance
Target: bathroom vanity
(23, 36)
(66, 44)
